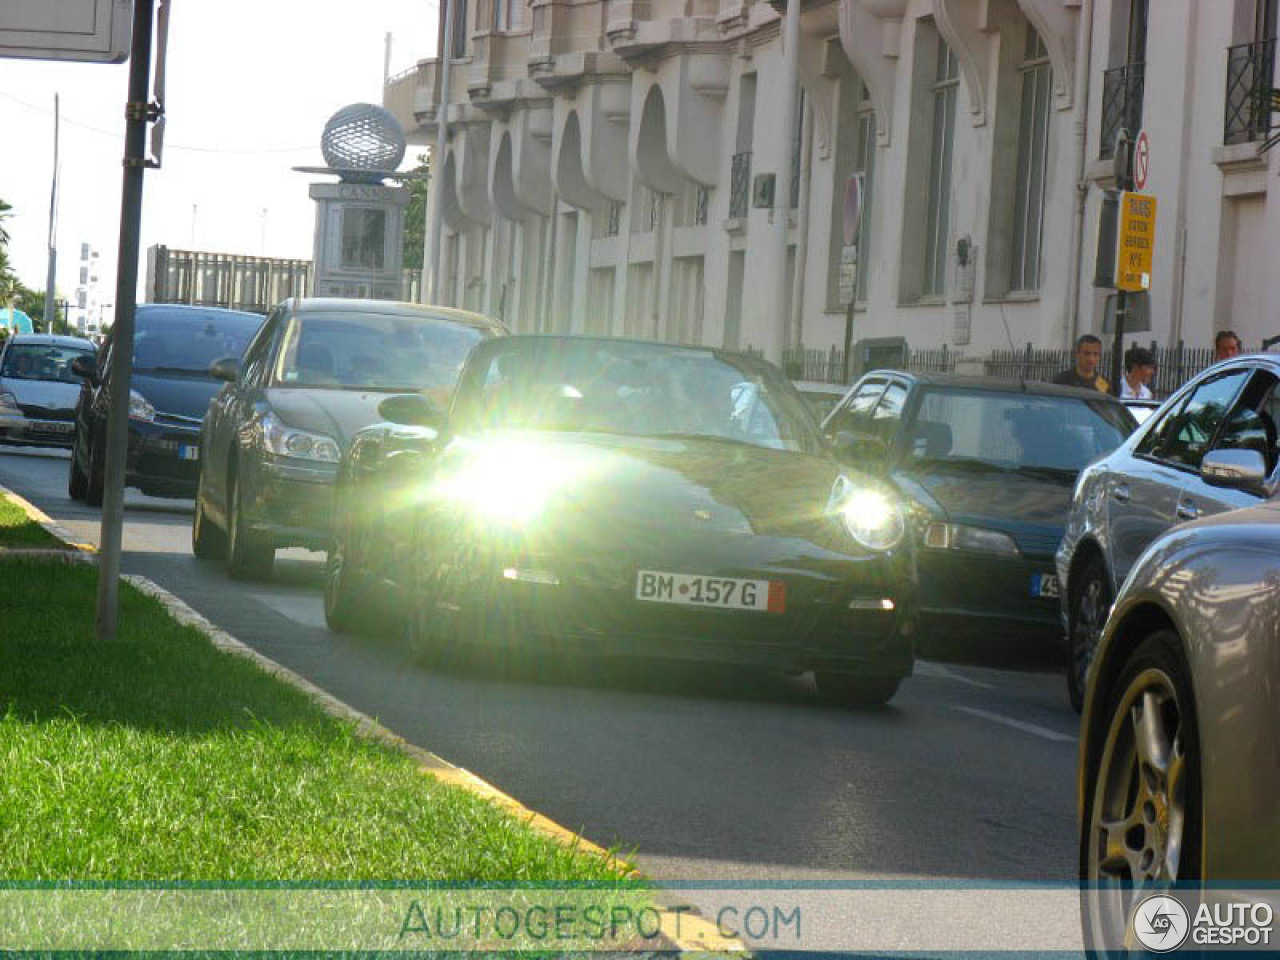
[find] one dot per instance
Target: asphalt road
(705, 774)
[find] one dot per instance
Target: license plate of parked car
(188, 452)
(726, 593)
(1044, 585)
(47, 426)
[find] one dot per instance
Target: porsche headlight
(286, 441)
(140, 408)
(872, 517)
(957, 536)
(510, 480)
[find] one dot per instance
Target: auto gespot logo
(1162, 924)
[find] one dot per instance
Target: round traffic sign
(852, 209)
(1141, 161)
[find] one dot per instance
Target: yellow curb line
(39, 516)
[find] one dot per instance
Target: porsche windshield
(38, 361)
(638, 389)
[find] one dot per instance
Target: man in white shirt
(1139, 368)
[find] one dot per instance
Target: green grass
(19, 530)
(158, 758)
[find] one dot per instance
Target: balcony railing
(1250, 67)
(740, 185)
(1121, 104)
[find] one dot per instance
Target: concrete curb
(697, 936)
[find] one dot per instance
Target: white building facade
(608, 167)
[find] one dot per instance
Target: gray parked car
(1210, 448)
(38, 389)
(1179, 756)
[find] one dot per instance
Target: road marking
(927, 668)
(1031, 728)
(307, 611)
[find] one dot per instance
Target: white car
(38, 389)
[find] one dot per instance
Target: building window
(459, 45)
(1033, 143)
(1250, 67)
(1124, 84)
(701, 206)
(865, 164)
(946, 82)
(364, 236)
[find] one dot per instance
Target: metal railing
(1121, 104)
(1250, 67)
(1174, 365)
(827, 366)
(740, 185)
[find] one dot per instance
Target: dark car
(38, 389)
(1211, 447)
(1179, 764)
(313, 376)
(624, 498)
(173, 347)
(989, 466)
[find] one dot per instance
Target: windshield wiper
(1056, 474)
(965, 464)
(186, 370)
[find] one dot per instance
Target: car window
(1251, 424)
(888, 412)
(1185, 437)
(186, 342)
(374, 351)
(854, 416)
(42, 361)
(256, 356)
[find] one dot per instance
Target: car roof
(194, 310)
(745, 358)
(394, 307)
(52, 339)
(821, 386)
(957, 381)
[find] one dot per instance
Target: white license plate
(1044, 585)
(188, 452)
(52, 426)
(726, 593)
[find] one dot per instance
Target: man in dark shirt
(1085, 372)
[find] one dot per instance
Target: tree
(415, 218)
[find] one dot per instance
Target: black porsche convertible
(628, 499)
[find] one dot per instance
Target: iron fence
(1250, 67)
(1175, 365)
(740, 185)
(1122, 89)
(827, 366)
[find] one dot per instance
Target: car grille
(34, 412)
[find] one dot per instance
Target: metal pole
(1124, 180)
(437, 157)
(51, 276)
(136, 114)
(782, 188)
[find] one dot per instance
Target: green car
(988, 467)
(625, 499)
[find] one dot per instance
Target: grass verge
(17, 530)
(159, 758)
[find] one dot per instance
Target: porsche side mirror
(411, 410)
(1236, 469)
(86, 368)
(228, 369)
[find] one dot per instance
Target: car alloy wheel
(77, 483)
(1089, 610)
(341, 608)
(247, 557)
(1143, 826)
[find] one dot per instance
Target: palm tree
(5, 211)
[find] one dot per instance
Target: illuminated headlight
(957, 536)
(872, 518)
(140, 408)
(510, 481)
(8, 400)
(286, 441)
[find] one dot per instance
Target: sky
(250, 85)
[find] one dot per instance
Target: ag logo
(1161, 923)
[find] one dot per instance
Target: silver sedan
(1179, 754)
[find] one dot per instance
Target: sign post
(1135, 236)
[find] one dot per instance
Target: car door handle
(1121, 492)
(1187, 510)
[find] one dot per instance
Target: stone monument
(359, 240)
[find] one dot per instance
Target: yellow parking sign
(1136, 241)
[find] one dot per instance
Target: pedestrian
(1139, 368)
(1085, 372)
(1226, 345)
